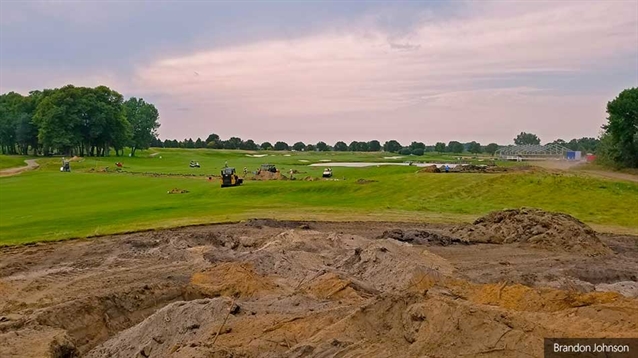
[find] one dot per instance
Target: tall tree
(416, 145)
(439, 147)
(374, 146)
(310, 148)
(250, 145)
(392, 146)
(282, 146)
(266, 146)
(455, 147)
(524, 138)
(622, 128)
(322, 147)
(353, 146)
(491, 148)
(199, 143)
(144, 120)
(233, 143)
(299, 146)
(341, 147)
(474, 147)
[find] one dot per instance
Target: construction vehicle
(66, 166)
(327, 173)
(230, 178)
(268, 168)
(194, 164)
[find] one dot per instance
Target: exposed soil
(31, 164)
(268, 288)
(542, 229)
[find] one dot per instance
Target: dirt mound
(230, 279)
(266, 175)
(430, 169)
(473, 168)
(542, 229)
(177, 191)
(421, 237)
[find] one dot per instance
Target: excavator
(230, 178)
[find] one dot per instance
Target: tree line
(213, 141)
(75, 121)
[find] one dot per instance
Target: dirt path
(573, 167)
(306, 290)
(611, 175)
(31, 164)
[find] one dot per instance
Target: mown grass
(48, 205)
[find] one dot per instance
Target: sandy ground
(574, 167)
(31, 164)
(287, 289)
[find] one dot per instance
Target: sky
(314, 71)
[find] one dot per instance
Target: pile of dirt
(266, 288)
(266, 175)
(473, 168)
(309, 178)
(177, 191)
(542, 229)
(430, 169)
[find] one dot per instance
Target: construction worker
(245, 171)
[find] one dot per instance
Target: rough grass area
(48, 205)
(12, 161)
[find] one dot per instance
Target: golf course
(98, 198)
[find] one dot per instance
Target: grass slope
(48, 205)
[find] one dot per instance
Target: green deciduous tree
(524, 138)
(341, 147)
(266, 146)
(455, 147)
(374, 146)
(392, 146)
(281, 146)
(491, 148)
(299, 146)
(622, 128)
(474, 147)
(322, 147)
(144, 120)
(439, 147)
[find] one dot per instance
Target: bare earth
(310, 290)
(31, 164)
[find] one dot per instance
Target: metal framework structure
(530, 152)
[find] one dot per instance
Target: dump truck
(230, 178)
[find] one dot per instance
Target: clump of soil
(421, 237)
(177, 191)
(542, 229)
(430, 169)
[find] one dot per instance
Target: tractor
(268, 168)
(230, 178)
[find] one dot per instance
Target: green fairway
(46, 204)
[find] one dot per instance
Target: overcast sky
(343, 70)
